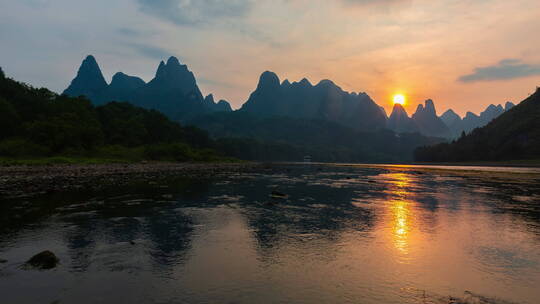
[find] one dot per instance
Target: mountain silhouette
(450, 119)
(428, 122)
(325, 101)
(173, 91)
(89, 81)
(400, 122)
(514, 135)
(220, 106)
(472, 121)
(123, 85)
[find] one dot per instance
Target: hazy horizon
(463, 55)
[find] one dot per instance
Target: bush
(171, 152)
(20, 147)
(120, 152)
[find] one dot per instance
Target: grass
(56, 160)
(77, 160)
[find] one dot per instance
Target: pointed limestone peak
(268, 80)
(286, 83)
(491, 107)
(492, 111)
(508, 105)
(90, 69)
(470, 115)
(90, 61)
(450, 113)
(399, 111)
(419, 109)
(209, 98)
(450, 117)
(161, 69)
(430, 107)
(89, 80)
(174, 76)
(173, 61)
(223, 106)
(399, 121)
(305, 82)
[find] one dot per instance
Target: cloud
(129, 32)
(150, 51)
(506, 69)
(196, 12)
(369, 2)
(381, 5)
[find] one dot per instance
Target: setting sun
(399, 99)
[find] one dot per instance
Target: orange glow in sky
(399, 99)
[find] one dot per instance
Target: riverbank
(24, 180)
(510, 163)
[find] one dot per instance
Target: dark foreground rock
(43, 260)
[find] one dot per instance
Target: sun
(399, 99)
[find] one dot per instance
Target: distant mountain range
(449, 125)
(471, 121)
(174, 92)
(514, 135)
(325, 101)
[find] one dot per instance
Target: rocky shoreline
(16, 181)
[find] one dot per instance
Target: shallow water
(344, 234)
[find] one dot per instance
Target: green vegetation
(38, 126)
(515, 135)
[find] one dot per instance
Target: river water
(343, 234)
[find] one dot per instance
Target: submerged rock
(3, 261)
(43, 260)
(277, 194)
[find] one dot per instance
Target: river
(340, 234)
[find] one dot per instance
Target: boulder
(43, 260)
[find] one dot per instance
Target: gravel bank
(31, 180)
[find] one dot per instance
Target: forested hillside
(515, 135)
(37, 123)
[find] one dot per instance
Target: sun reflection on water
(401, 225)
(400, 210)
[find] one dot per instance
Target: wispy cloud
(196, 13)
(377, 2)
(149, 51)
(504, 70)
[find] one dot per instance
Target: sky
(463, 54)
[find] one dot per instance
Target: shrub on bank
(18, 147)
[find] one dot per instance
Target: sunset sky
(462, 54)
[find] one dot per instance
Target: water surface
(344, 234)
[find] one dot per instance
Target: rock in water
(43, 260)
(2, 261)
(277, 194)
